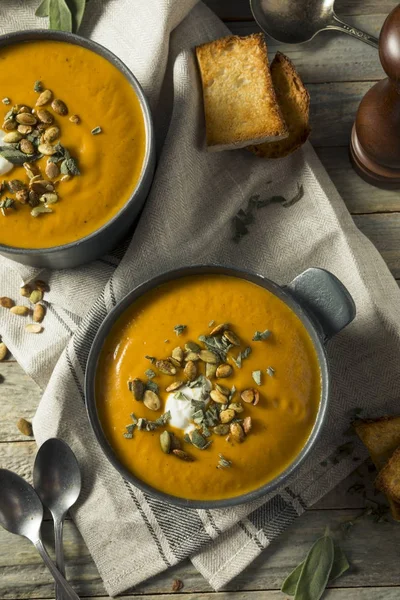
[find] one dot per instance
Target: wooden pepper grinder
(375, 137)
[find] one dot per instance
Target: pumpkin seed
(52, 171)
(47, 149)
(49, 198)
(45, 116)
(165, 442)
(22, 196)
(6, 302)
(236, 406)
(237, 432)
(192, 347)
(27, 147)
(36, 296)
(59, 107)
(191, 356)
(208, 357)
(51, 134)
(175, 441)
(216, 396)
(15, 185)
(41, 186)
(33, 328)
(39, 210)
(12, 138)
(33, 199)
(25, 291)
(177, 354)
(182, 455)
(172, 360)
(3, 351)
(190, 370)
(31, 170)
(227, 415)
(9, 125)
(20, 310)
(45, 97)
(223, 370)
(246, 424)
(251, 396)
(26, 119)
(221, 388)
(137, 388)
(25, 129)
(210, 370)
(231, 337)
(25, 427)
(174, 386)
(38, 313)
(22, 108)
(75, 119)
(164, 366)
(219, 329)
(151, 400)
(42, 285)
(96, 130)
(221, 429)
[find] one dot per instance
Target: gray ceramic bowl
(316, 296)
(107, 237)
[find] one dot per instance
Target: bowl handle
(322, 295)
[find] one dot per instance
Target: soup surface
(106, 141)
(280, 376)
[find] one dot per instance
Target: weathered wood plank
(359, 196)
(375, 593)
(23, 575)
(326, 57)
(240, 9)
(19, 398)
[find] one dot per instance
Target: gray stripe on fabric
(296, 497)
(109, 263)
(74, 375)
(148, 524)
(86, 333)
(250, 535)
(112, 294)
(182, 527)
(212, 521)
(273, 517)
(58, 317)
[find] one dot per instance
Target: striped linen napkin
(187, 219)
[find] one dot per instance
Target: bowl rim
(283, 294)
(30, 35)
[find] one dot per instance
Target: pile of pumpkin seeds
(34, 293)
(194, 366)
(31, 134)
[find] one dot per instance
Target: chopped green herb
(256, 375)
(223, 462)
(149, 373)
(179, 329)
(69, 166)
(152, 359)
(261, 335)
(16, 157)
(270, 371)
(211, 323)
(5, 204)
(180, 396)
(96, 131)
(152, 386)
(38, 87)
(6, 101)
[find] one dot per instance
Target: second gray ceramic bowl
(107, 237)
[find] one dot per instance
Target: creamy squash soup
(72, 143)
(207, 387)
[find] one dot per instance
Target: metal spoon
(21, 512)
(57, 480)
(298, 21)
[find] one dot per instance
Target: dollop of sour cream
(5, 165)
(182, 410)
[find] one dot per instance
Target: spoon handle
(353, 31)
(58, 536)
(67, 590)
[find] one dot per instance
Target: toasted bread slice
(294, 101)
(381, 438)
(388, 480)
(240, 104)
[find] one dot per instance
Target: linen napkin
(188, 219)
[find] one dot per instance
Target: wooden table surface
(338, 71)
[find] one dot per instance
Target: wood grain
(19, 398)
(240, 9)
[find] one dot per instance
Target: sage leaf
(340, 565)
(43, 9)
(16, 157)
(60, 16)
(77, 8)
(316, 569)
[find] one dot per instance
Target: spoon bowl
(298, 21)
(21, 511)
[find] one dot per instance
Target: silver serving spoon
(57, 480)
(298, 21)
(21, 512)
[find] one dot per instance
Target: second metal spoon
(298, 21)
(57, 480)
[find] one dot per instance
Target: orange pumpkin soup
(239, 438)
(94, 141)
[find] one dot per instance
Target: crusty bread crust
(388, 480)
(240, 103)
(294, 101)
